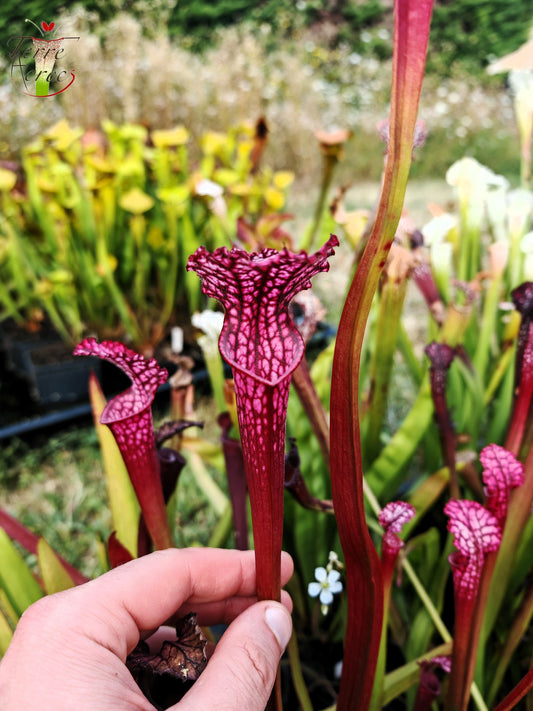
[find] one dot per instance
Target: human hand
(69, 649)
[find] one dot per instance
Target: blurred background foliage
(305, 66)
(147, 66)
(469, 32)
(97, 227)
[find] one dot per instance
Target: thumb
(241, 673)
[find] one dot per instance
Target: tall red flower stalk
(129, 416)
(424, 279)
(522, 298)
(312, 312)
(520, 690)
(441, 356)
(238, 490)
(476, 533)
(363, 573)
(263, 347)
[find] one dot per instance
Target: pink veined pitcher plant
(502, 473)
(129, 416)
(477, 534)
(263, 346)
(430, 687)
(392, 518)
(522, 297)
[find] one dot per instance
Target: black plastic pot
(53, 374)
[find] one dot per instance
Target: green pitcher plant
(96, 235)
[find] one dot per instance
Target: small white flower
(327, 585)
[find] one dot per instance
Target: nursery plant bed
(41, 382)
(52, 373)
(21, 415)
(42, 385)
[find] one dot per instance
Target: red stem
(363, 571)
(523, 300)
(517, 427)
(458, 695)
(263, 447)
(441, 356)
(520, 690)
(428, 691)
(302, 383)
(476, 622)
(143, 468)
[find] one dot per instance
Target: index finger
(142, 594)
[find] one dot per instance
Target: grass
(55, 485)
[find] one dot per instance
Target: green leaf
(16, 579)
(205, 481)
(55, 576)
(386, 472)
(390, 308)
(465, 396)
(6, 633)
(6, 608)
(524, 559)
(125, 510)
(426, 557)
